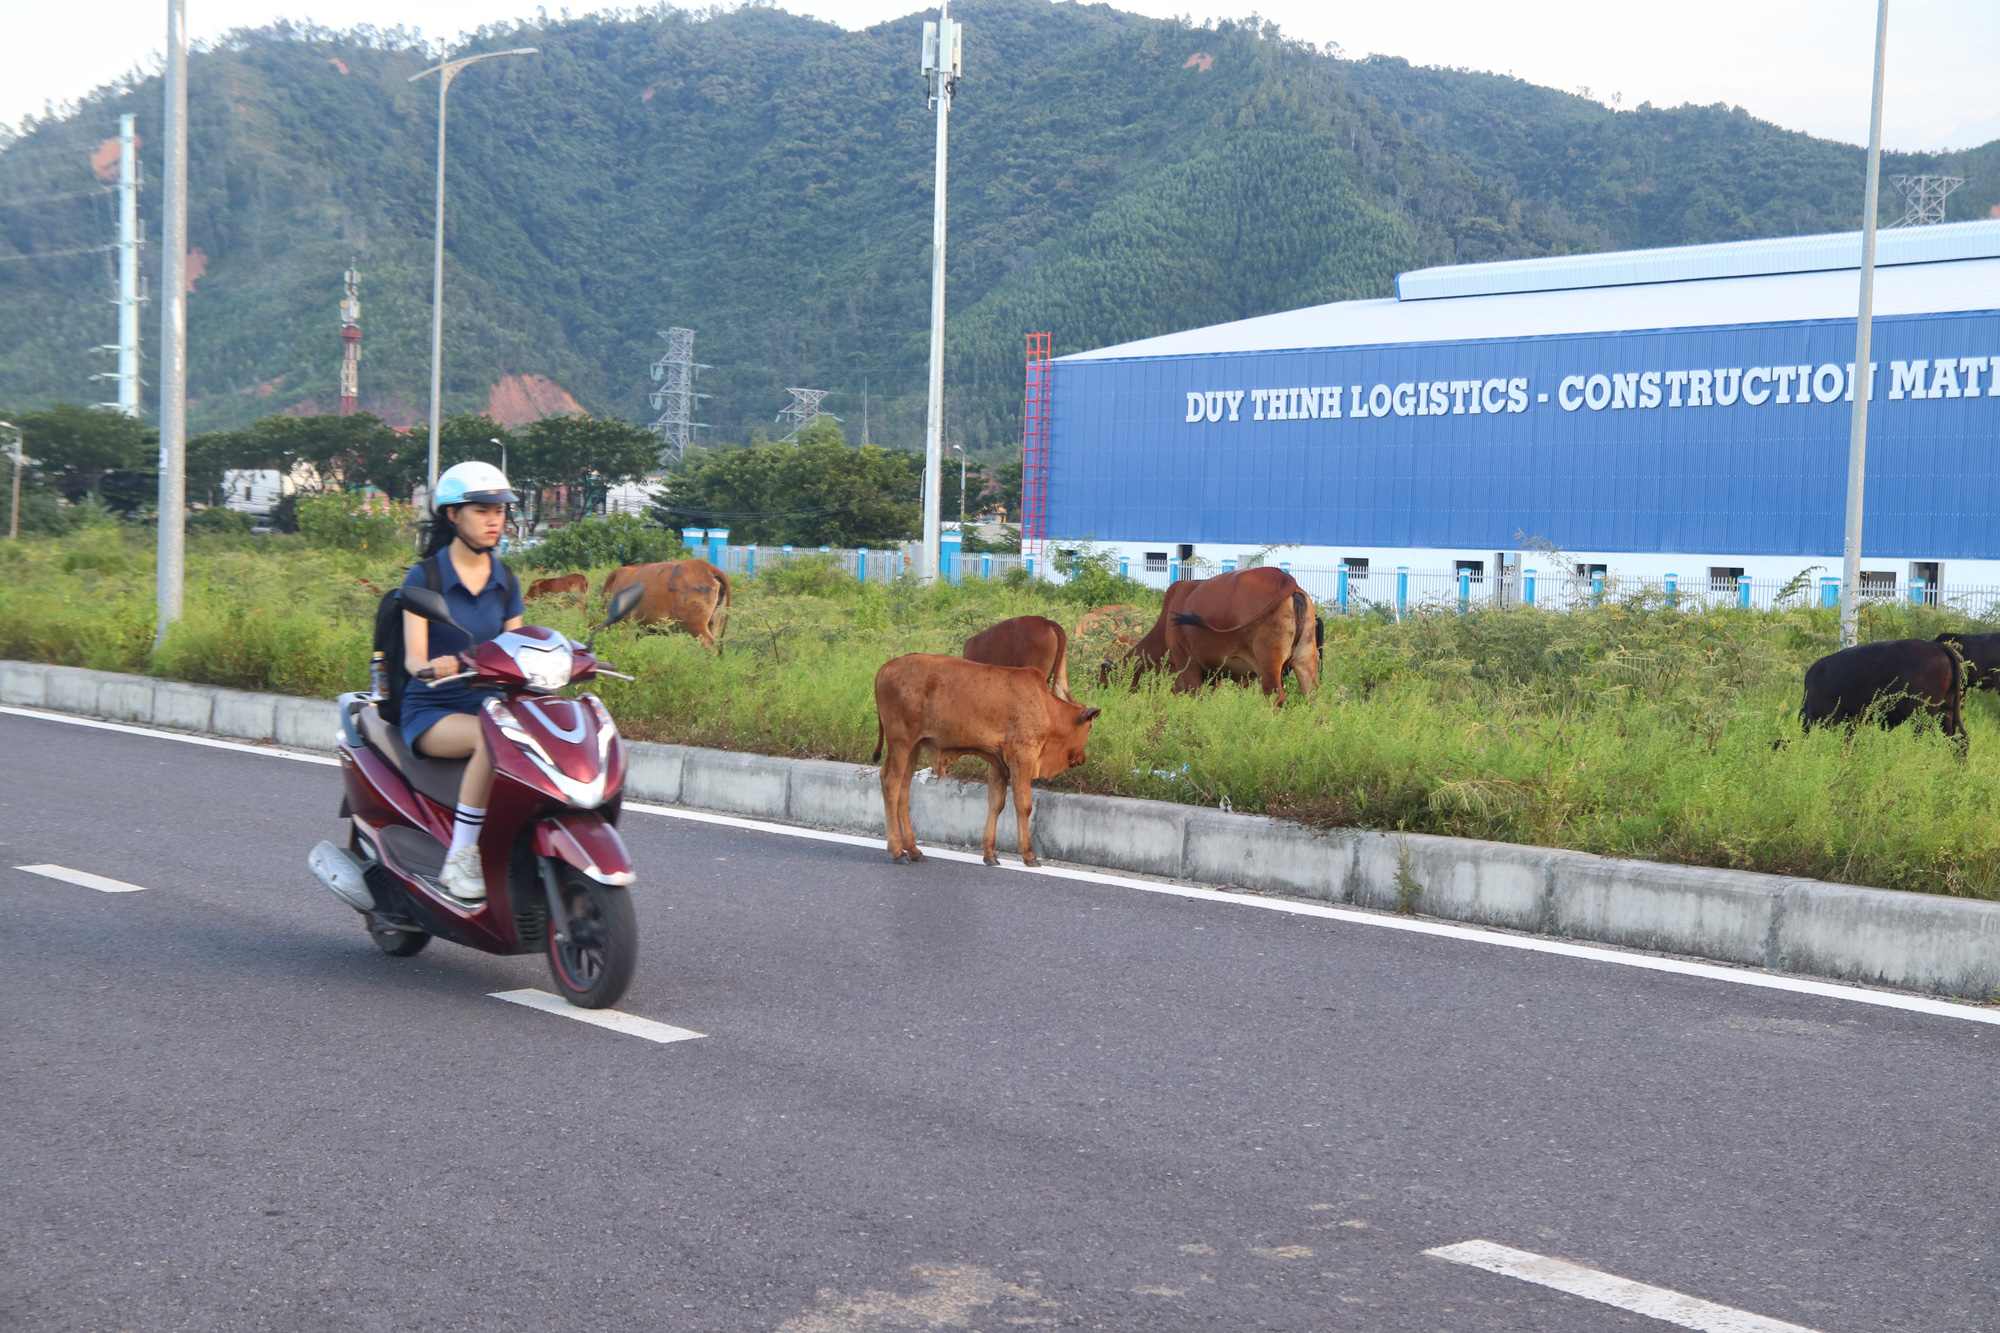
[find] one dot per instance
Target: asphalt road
(929, 1097)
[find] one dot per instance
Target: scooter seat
(435, 778)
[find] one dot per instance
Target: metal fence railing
(870, 565)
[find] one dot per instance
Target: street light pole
(172, 548)
(959, 449)
(1864, 378)
(941, 65)
(446, 72)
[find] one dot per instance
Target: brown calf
(689, 592)
(1034, 642)
(1005, 715)
(576, 583)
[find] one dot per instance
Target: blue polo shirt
(484, 613)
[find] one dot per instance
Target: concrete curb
(1915, 941)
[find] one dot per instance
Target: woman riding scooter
(469, 514)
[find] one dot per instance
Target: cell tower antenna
(131, 288)
(803, 410)
(1924, 197)
(675, 398)
(350, 343)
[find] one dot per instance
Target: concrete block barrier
(737, 784)
(653, 772)
(847, 797)
(1916, 941)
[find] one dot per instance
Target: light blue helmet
(473, 483)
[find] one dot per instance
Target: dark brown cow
(1982, 658)
(565, 583)
(1901, 676)
(690, 592)
(1004, 715)
(1253, 622)
(1034, 642)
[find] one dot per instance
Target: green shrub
(221, 521)
(341, 522)
(604, 542)
(814, 575)
(1091, 577)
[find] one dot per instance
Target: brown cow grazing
(1253, 622)
(1034, 642)
(1005, 715)
(576, 583)
(690, 592)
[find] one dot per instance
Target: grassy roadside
(1631, 730)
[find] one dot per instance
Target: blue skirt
(420, 713)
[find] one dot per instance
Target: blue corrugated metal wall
(1754, 479)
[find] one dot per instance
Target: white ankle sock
(465, 828)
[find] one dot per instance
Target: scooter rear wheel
(400, 943)
(593, 950)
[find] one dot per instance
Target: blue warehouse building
(1653, 412)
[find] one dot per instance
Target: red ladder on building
(1035, 448)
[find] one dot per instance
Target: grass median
(1634, 729)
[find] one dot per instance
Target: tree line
(813, 491)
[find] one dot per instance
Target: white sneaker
(464, 876)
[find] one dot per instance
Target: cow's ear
(1086, 715)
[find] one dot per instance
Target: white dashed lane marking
(85, 878)
(1669, 1307)
(630, 1024)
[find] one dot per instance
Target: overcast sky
(1801, 63)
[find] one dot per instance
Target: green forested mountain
(765, 179)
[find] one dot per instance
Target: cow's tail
(876, 758)
(723, 606)
(1251, 619)
(1059, 677)
(1957, 666)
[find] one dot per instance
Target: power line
(52, 198)
(59, 254)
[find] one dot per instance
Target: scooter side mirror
(623, 603)
(431, 606)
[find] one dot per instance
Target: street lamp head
(451, 67)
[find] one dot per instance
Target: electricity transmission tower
(675, 398)
(803, 410)
(1924, 196)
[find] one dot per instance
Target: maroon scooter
(556, 869)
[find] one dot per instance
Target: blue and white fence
(870, 565)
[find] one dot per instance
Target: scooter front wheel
(594, 945)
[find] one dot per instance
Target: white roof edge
(1729, 259)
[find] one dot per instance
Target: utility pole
(14, 517)
(446, 72)
(959, 449)
(173, 330)
(943, 51)
(130, 296)
(1864, 377)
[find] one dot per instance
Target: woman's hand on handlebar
(442, 666)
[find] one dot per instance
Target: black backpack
(389, 637)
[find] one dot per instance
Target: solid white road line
(1829, 990)
(1654, 1302)
(98, 724)
(85, 878)
(629, 1024)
